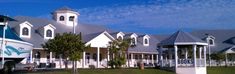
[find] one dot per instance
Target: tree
(69, 45)
(118, 49)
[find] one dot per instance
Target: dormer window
(48, 33)
(211, 42)
(61, 18)
(71, 18)
(145, 41)
(25, 31)
(133, 41)
(119, 38)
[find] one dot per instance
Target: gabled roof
(7, 18)
(29, 24)
(140, 48)
(224, 39)
(65, 8)
(181, 37)
(37, 39)
(114, 34)
(90, 37)
(88, 31)
(128, 35)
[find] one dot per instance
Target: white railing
(200, 62)
(185, 62)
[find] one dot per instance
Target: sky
(143, 16)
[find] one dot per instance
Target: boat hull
(16, 50)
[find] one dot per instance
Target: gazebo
(183, 53)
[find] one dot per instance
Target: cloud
(157, 16)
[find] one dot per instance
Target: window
(48, 33)
(71, 18)
(1, 19)
(25, 31)
(211, 41)
(61, 18)
(145, 41)
(119, 38)
(133, 41)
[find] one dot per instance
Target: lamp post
(209, 50)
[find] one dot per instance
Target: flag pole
(3, 40)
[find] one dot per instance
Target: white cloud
(171, 14)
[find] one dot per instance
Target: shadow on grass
(99, 71)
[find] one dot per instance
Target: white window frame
(27, 25)
(213, 40)
(146, 37)
(49, 27)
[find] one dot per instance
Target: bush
(92, 66)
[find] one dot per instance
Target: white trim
(190, 43)
(17, 41)
(120, 34)
(51, 26)
(27, 25)
(67, 12)
(143, 52)
(148, 40)
(26, 22)
(105, 33)
(210, 37)
(230, 50)
(38, 48)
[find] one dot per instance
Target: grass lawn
(221, 70)
(212, 70)
(103, 71)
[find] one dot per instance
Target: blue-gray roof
(88, 32)
(140, 48)
(180, 37)
(37, 39)
(224, 39)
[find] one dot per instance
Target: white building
(37, 31)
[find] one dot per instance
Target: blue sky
(144, 16)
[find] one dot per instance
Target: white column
(200, 53)
(205, 56)
(31, 56)
(156, 58)
(176, 56)
(107, 55)
(98, 57)
(194, 55)
(226, 59)
(152, 59)
(142, 57)
(131, 58)
(200, 56)
(50, 59)
(83, 59)
(186, 53)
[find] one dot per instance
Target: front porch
(43, 59)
